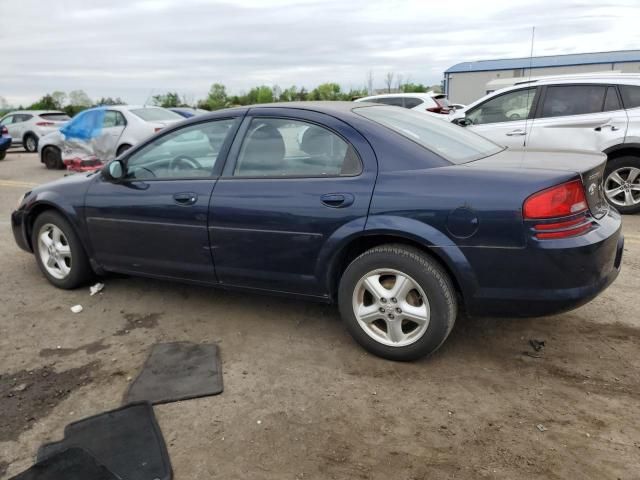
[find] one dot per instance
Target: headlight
(21, 199)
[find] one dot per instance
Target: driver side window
(190, 152)
(509, 107)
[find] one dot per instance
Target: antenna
(526, 119)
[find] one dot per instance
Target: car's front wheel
(622, 184)
(3, 154)
(52, 158)
(59, 252)
(397, 302)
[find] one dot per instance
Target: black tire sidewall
(615, 164)
(433, 280)
(80, 269)
(55, 161)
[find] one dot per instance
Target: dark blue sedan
(399, 218)
(5, 141)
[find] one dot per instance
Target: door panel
(266, 228)
(155, 221)
(591, 130)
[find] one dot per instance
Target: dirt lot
(301, 400)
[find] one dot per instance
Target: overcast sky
(135, 48)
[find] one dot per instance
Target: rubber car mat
(69, 464)
(128, 441)
(177, 371)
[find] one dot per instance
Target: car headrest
(264, 150)
(316, 141)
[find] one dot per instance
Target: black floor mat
(127, 441)
(70, 464)
(177, 371)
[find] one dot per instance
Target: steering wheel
(184, 162)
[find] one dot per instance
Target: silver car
(122, 127)
(26, 127)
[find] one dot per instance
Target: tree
(108, 101)
(413, 88)
(48, 102)
(261, 94)
(79, 98)
(289, 94)
(59, 98)
(326, 91)
(216, 99)
(388, 80)
(167, 100)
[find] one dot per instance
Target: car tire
(622, 168)
(391, 332)
(30, 143)
(122, 148)
(3, 154)
(64, 248)
(52, 158)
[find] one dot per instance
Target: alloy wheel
(31, 145)
(622, 186)
(391, 307)
(54, 251)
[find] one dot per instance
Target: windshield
(450, 141)
(152, 114)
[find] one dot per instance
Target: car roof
(35, 112)
(422, 95)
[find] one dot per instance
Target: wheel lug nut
(383, 300)
(398, 310)
(391, 316)
(394, 300)
(381, 310)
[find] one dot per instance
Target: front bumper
(548, 276)
(19, 228)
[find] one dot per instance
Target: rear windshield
(155, 114)
(55, 117)
(453, 143)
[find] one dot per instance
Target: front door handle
(337, 200)
(606, 125)
(516, 133)
(185, 198)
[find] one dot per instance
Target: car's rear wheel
(622, 184)
(59, 252)
(3, 154)
(122, 148)
(397, 302)
(30, 142)
(52, 158)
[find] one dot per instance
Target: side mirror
(462, 121)
(114, 171)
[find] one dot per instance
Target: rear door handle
(612, 127)
(516, 133)
(337, 200)
(185, 198)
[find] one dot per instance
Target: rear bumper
(19, 228)
(548, 276)
(5, 143)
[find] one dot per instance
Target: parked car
(598, 112)
(5, 141)
(430, 102)
(97, 135)
(398, 217)
(26, 127)
(188, 112)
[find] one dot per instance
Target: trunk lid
(588, 165)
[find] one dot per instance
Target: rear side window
(630, 95)
(275, 147)
(394, 101)
(565, 100)
(152, 114)
(55, 117)
(113, 118)
(22, 118)
(411, 102)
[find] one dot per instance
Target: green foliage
(168, 100)
(413, 88)
(107, 101)
(326, 91)
(261, 94)
(79, 98)
(48, 102)
(216, 99)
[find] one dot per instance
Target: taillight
(45, 124)
(157, 129)
(4, 130)
(565, 200)
(435, 109)
(558, 201)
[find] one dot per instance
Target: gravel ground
(301, 400)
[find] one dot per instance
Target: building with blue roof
(467, 81)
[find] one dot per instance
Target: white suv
(430, 102)
(598, 112)
(27, 126)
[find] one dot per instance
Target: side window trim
(218, 165)
(232, 156)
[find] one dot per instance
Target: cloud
(132, 49)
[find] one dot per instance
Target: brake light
(45, 124)
(435, 109)
(157, 129)
(4, 130)
(558, 201)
